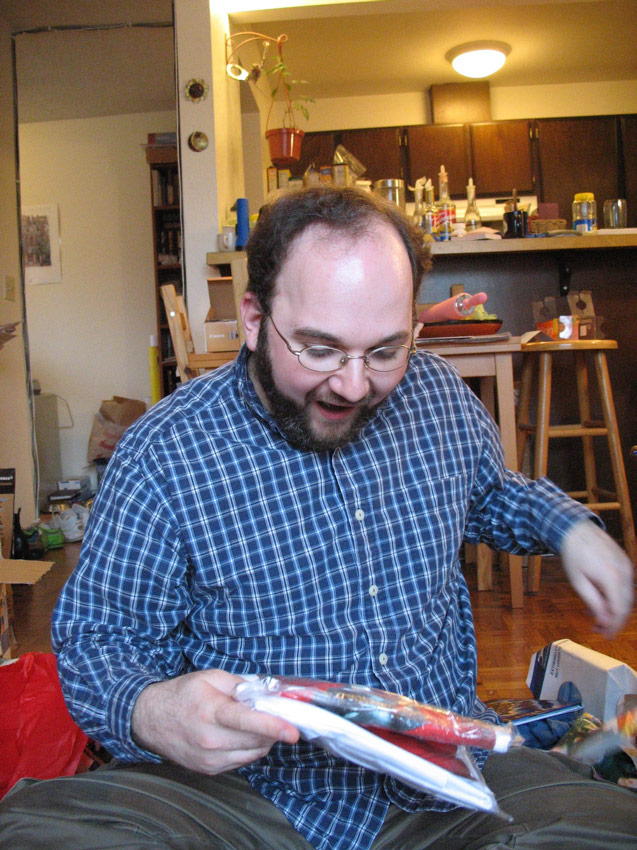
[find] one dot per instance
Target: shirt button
(383, 659)
(373, 590)
(360, 515)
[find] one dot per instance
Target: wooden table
(492, 363)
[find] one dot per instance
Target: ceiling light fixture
(478, 58)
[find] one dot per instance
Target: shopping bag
(38, 737)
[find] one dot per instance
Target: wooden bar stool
(585, 429)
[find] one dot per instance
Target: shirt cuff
(559, 514)
(121, 702)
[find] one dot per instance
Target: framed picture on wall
(41, 244)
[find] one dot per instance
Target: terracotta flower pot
(285, 145)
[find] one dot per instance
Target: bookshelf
(166, 217)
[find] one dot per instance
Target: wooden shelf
(541, 243)
(223, 258)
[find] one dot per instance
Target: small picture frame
(41, 244)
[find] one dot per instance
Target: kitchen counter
(588, 241)
(516, 272)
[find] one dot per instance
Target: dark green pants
(554, 802)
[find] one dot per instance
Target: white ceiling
(346, 49)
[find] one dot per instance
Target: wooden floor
(506, 638)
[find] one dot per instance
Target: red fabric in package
(38, 737)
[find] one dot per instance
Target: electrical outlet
(9, 287)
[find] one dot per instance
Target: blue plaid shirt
(213, 543)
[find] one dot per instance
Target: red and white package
(423, 746)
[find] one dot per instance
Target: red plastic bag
(38, 738)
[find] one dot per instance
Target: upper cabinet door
(431, 145)
(378, 149)
(317, 148)
(629, 150)
(502, 159)
(578, 155)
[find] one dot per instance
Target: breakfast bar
(516, 272)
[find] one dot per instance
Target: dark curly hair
(344, 210)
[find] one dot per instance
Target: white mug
(227, 239)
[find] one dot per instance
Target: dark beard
(294, 418)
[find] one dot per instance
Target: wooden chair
(585, 429)
(189, 363)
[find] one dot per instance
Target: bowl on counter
(460, 327)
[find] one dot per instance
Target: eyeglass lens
(321, 358)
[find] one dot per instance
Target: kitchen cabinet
(379, 149)
(628, 189)
(578, 155)
(502, 157)
(317, 148)
(431, 145)
(552, 158)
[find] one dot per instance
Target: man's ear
(251, 317)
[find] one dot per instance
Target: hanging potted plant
(285, 140)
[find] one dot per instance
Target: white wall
(554, 101)
(211, 180)
(15, 405)
(89, 335)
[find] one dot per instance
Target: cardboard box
(222, 335)
(7, 497)
(580, 323)
(13, 571)
(221, 297)
(599, 679)
(272, 179)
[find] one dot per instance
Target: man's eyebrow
(314, 335)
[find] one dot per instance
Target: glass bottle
(445, 208)
(19, 543)
(429, 214)
(472, 220)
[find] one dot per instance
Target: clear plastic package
(423, 746)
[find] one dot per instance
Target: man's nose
(351, 381)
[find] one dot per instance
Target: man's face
(355, 296)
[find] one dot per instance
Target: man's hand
(194, 721)
(602, 574)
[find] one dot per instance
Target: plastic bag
(609, 748)
(38, 737)
(423, 746)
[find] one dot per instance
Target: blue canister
(243, 222)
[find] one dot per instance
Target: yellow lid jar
(584, 212)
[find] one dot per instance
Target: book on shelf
(162, 139)
(165, 186)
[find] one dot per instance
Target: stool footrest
(576, 431)
(595, 506)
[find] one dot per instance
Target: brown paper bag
(110, 423)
